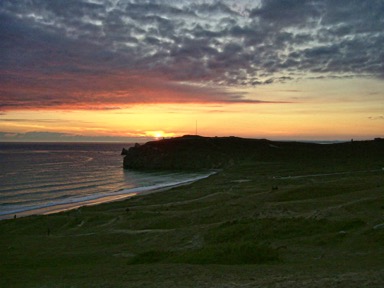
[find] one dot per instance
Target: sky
(129, 70)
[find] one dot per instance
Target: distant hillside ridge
(198, 152)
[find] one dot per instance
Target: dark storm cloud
(63, 53)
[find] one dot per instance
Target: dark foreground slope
(196, 152)
(282, 222)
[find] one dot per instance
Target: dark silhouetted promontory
(197, 152)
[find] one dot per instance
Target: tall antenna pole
(196, 128)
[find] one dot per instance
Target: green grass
(268, 230)
(237, 253)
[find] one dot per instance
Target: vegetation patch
(226, 254)
(231, 254)
(272, 229)
(152, 256)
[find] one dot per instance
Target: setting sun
(159, 134)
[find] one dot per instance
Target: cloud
(283, 13)
(376, 118)
(28, 120)
(113, 91)
(35, 136)
(111, 54)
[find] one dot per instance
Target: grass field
(265, 224)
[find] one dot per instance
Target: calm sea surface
(38, 176)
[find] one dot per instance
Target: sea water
(50, 177)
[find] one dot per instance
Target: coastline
(99, 199)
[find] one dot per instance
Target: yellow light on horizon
(159, 134)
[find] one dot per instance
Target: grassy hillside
(281, 222)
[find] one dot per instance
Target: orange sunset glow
(130, 71)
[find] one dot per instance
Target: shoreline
(118, 196)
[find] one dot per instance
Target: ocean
(42, 178)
